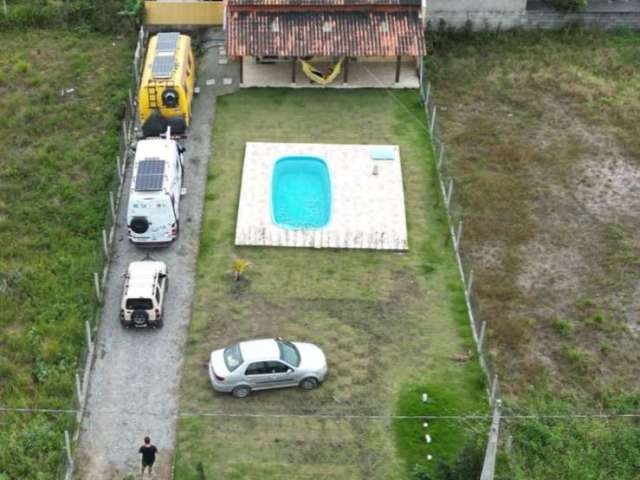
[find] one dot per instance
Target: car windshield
(232, 357)
(289, 353)
(139, 304)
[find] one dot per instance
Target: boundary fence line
(455, 220)
(105, 243)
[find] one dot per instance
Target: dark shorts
(147, 463)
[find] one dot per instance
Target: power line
(336, 416)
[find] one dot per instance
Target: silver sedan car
(263, 364)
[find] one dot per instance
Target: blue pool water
(300, 193)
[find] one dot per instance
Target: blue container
(301, 193)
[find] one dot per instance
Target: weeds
(56, 163)
(563, 327)
(541, 142)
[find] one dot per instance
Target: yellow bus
(167, 84)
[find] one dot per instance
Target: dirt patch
(550, 189)
(609, 188)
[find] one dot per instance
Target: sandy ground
(134, 386)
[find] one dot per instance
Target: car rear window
(289, 353)
(232, 357)
(139, 304)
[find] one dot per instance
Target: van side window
(158, 294)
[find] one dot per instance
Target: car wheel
(139, 317)
(159, 323)
(241, 392)
(309, 383)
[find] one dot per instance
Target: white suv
(143, 295)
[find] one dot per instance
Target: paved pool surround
(367, 204)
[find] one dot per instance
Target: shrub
(568, 5)
(562, 326)
(103, 16)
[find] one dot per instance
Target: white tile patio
(361, 75)
(367, 208)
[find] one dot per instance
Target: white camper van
(153, 214)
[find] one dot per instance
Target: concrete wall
(483, 14)
(466, 6)
(537, 19)
(607, 21)
(189, 12)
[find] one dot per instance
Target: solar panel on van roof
(163, 66)
(150, 175)
(167, 41)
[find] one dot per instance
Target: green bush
(104, 16)
(567, 5)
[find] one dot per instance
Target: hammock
(317, 76)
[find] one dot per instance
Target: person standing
(148, 452)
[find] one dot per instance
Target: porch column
(241, 71)
(398, 61)
(293, 70)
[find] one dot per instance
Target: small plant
(584, 303)
(598, 318)
(562, 326)
(22, 66)
(574, 355)
(604, 348)
(240, 265)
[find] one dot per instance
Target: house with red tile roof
(287, 39)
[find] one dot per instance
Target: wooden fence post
(494, 389)
(118, 168)
(105, 244)
(433, 120)
(489, 465)
(87, 329)
(79, 391)
(112, 203)
(441, 156)
(125, 136)
(67, 445)
(96, 283)
(459, 234)
(481, 337)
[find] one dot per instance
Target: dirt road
(136, 376)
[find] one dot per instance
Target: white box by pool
(322, 196)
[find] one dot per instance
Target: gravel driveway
(135, 381)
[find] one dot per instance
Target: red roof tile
(300, 34)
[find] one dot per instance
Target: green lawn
(389, 322)
(57, 158)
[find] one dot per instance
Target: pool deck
(367, 199)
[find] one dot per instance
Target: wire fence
(455, 217)
(104, 245)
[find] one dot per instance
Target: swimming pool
(300, 193)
